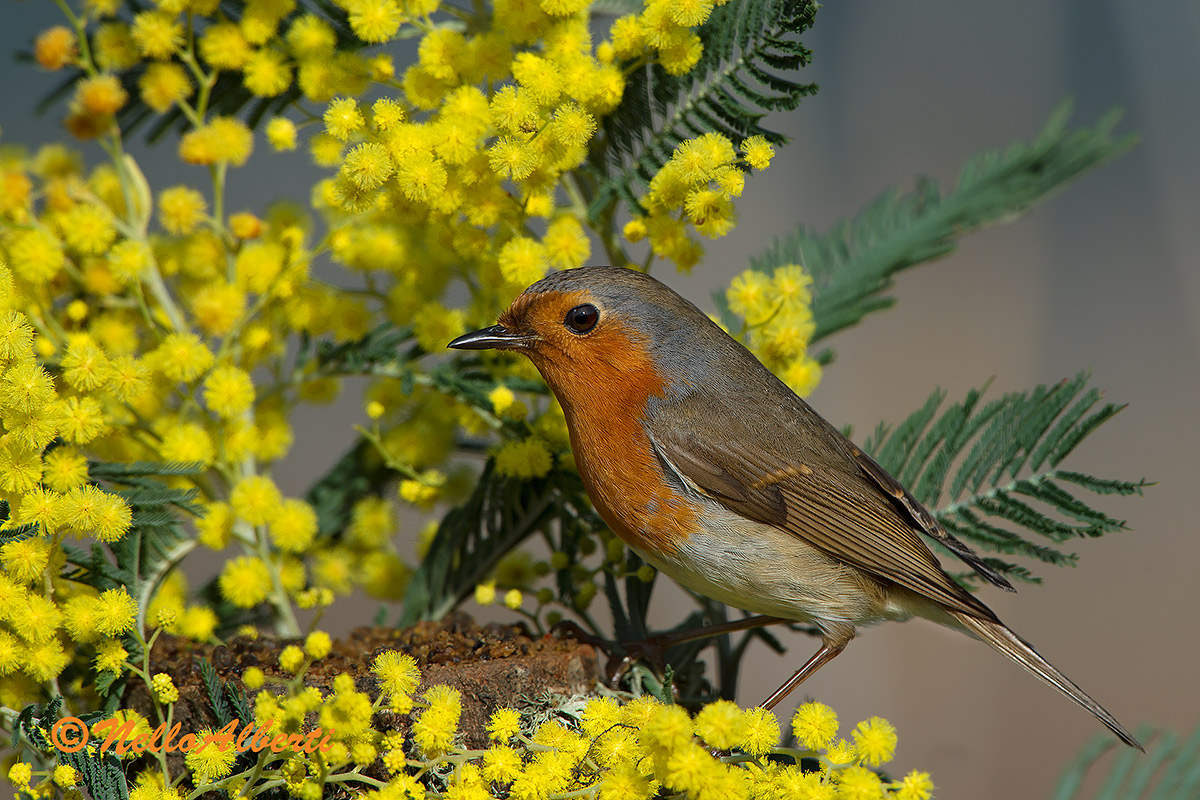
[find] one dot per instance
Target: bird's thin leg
(665, 640)
(652, 648)
(819, 659)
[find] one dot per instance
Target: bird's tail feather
(1020, 651)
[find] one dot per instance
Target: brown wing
(789, 468)
(926, 521)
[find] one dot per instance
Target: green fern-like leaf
(463, 381)
(1170, 769)
(990, 472)
(156, 540)
(229, 704)
(99, 772)
(216, 693)
(500, 514)
(361, 472)
(18, 533)
(126, 471)
(747, 45)
(360, 357)
(853, 264)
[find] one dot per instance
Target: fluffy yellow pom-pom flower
(375, 21)
(188, 442)
(181, 209)
(26, 560)
(721, 724)
(914, 786)
(762, 732)
(90, 510)
(397, 672)
(566, 244)
(210, 762)
(281, 134)
(523, 260)
(435, 729)
(758, 152)
(182, 357)
(55, 47)
(256, 499)
(100, 95)
(156, 34)
(749, 296)
(163, 85)
(228, 391)
(245, 581)
(224, 47)
(368, 165)
(223, 140)
(513, 157)
(342, 118)
(526, 458)
(293, 527)
(116, 612)
(815, 725)
(318, 644)
(875, 741)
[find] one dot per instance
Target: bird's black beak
(496, 337)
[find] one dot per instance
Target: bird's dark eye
(582, 319)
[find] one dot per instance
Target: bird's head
(603, 328)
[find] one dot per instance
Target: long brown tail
(1020, 651)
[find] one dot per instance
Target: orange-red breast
(716, 473)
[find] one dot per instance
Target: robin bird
(715, 472)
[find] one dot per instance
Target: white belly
(764, 570)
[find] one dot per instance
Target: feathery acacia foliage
(985, 469)
(738, 81)
(16, 533)
(156, 541)
(1169, 770)
(100, 772)
(852, 264)
(471, 539)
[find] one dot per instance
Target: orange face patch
(603, 380)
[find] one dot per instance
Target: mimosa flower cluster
(605, 748)
(167, 334)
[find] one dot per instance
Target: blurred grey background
(1102, 276)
